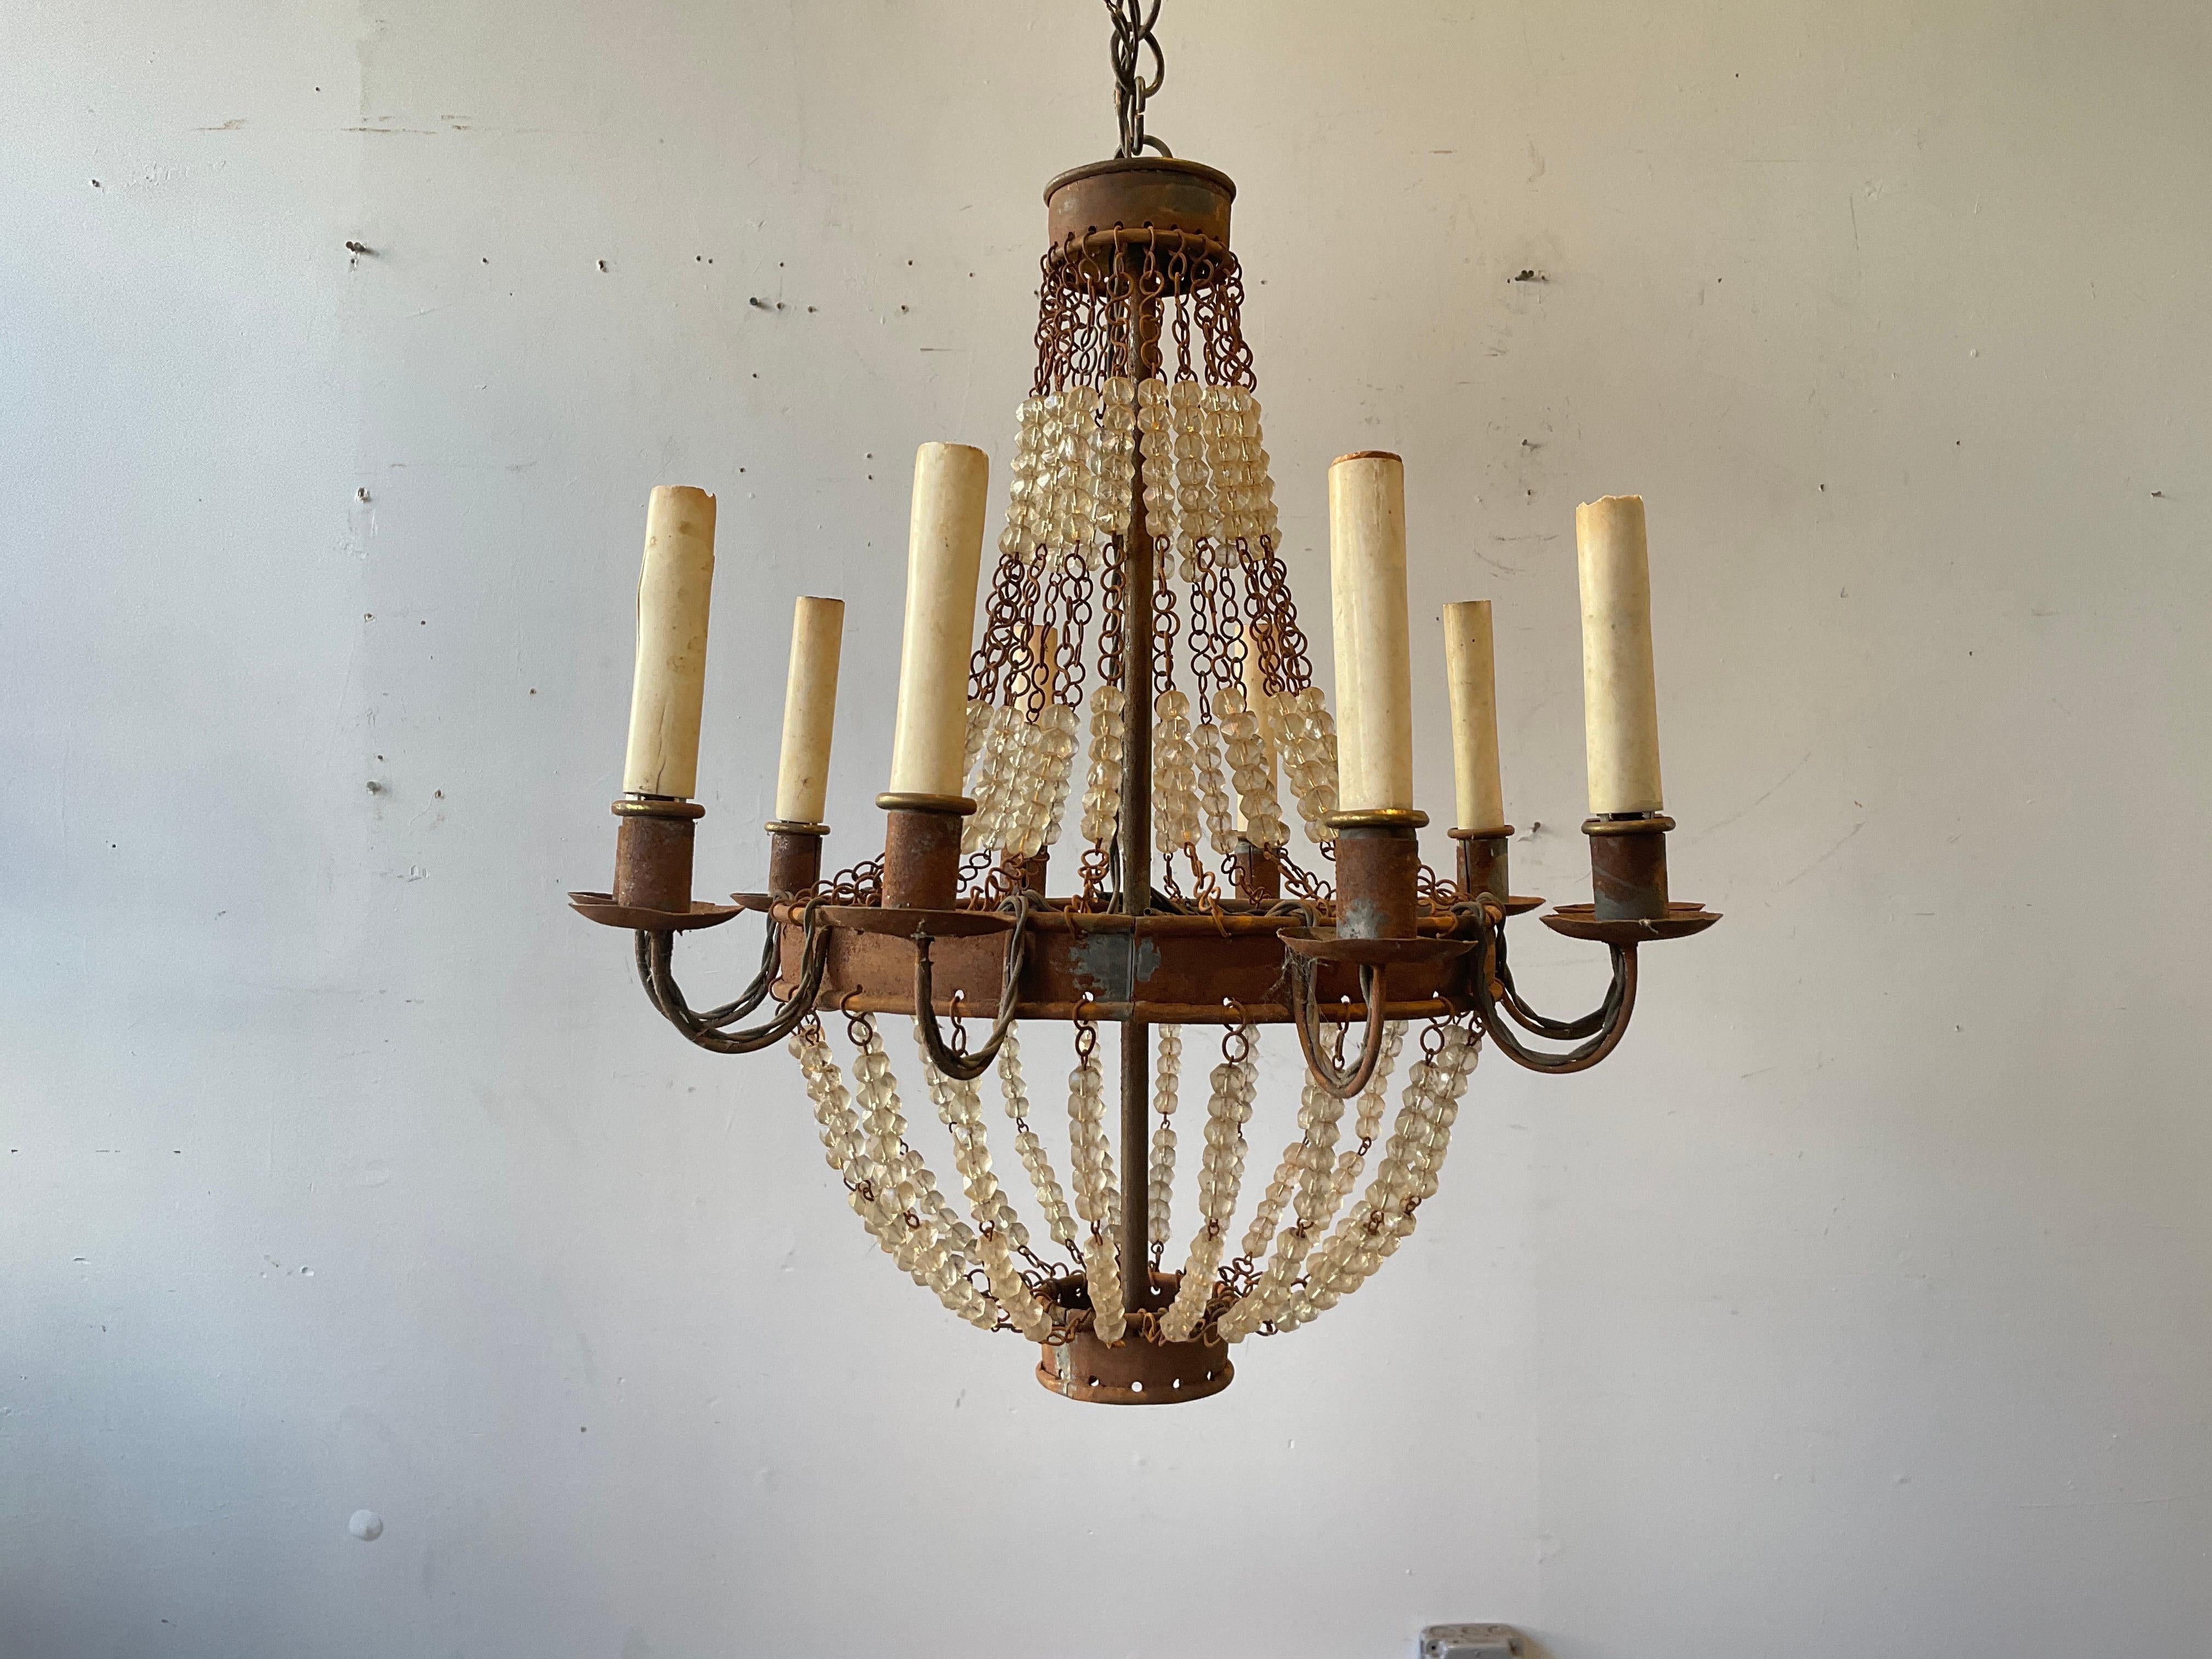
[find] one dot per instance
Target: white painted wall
(1860, 1306)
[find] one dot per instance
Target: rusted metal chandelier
(1140, 546)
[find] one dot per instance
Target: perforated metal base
(1137, 1373)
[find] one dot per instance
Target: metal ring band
(959, 805)
(656, 806)
(1380, 818)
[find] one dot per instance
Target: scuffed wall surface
(1860, 1305)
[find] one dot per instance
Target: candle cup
(1628, 866)
(921, 850)
(1483, 862)
(653, 852)
(1378, 873)
(794, 856)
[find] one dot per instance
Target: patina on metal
(653, 852)
(794, 856)
(1628, 866)
(921, 850)
(1378, 873)
(1112, 968)
(1141, 1370)
(1180, 204)
(1483, 861)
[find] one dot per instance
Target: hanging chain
(1133, 40)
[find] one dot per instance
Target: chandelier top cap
(1134, 191)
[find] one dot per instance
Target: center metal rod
(1136, 826)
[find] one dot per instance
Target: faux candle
(1621, 702)
(1343, 625)
(1471, 673)
(810, 710)
(1374, 667)
(945, 554)
(673, 588)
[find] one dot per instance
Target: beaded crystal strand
(1221, 1173)
(1090, 1166)
(1175, 782)
(1247, 502)
(1311, 1173)
(1163, 515)
(1071, 487)
(1065, 726)
(833, 1105)
(1249, 773)
(1115, 445)
(1048, 757)
(1034, 1162)
(1212, 791)
(1159, 1182)
(979, 732)
(1367, 1122)
(893, 1193)
(1023, 786)
(999, 1233)
(993, 780)
(1384, 1217)
(1101, 791)
(1206, 486)
(1075, 527)
(1022, 537)
(1307, 737)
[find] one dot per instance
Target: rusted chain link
(1134, 41)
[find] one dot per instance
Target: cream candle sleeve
(944, 553)
(1621, 702)
(810, 710)
(1367, 573)
(1471, 672)
(674, 586)
(1344, 628)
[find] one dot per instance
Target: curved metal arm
(966, 1068)
(656, 949)
(1305, 1013)
(1493, 990)
(730, 1012)
(1564, 1030)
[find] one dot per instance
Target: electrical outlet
(1470, 1641)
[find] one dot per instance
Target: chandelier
(1139, 624)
